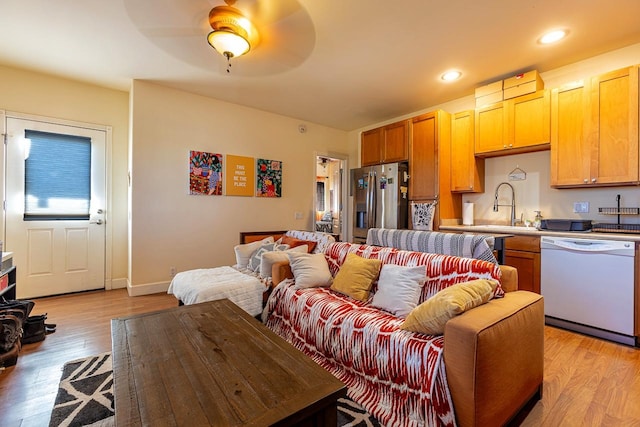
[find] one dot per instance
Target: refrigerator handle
(371, 191)
(374, 201)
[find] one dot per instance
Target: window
(57, 176)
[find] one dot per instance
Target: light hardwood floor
(587, 381)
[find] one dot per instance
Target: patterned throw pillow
(256, 258)
(422, 215)
(244, 252)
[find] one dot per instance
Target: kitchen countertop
(530, 231)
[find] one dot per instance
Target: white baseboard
(119, 283)
(147, 288)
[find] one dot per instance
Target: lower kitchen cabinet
(523, 253)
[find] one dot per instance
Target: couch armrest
(509, 279)
(493, 357)
(280, 271)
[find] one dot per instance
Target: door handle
(98, 221)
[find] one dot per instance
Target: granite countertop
(530, 231)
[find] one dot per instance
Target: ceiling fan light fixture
(228, 43)
(233, 34)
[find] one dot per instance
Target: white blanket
(207, 284)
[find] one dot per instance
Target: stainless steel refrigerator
(380, 198)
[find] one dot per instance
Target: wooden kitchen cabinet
(467, 171)
(489, 129)
(523, 253)
(517, 125)
(594, 131)
(430, 165)
(371, 147)
(386, 144)
(570, 149)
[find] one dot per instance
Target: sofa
(480, 369)
(248, 281)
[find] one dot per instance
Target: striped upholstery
(323, 239)
(397, 376)
(462, 245)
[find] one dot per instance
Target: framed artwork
(240, 176)
(268, 178)
(205, 173)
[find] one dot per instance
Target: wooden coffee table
(214, 364)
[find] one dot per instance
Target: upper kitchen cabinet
(386, 144)
(467, 171)
(570, 149)
(595, 132)
(430, 164)
(517, 125)
(489, 129)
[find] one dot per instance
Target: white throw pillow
(244, 252)
(399, 288)
(270, 258)
(309, 270)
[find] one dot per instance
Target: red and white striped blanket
(398, 376)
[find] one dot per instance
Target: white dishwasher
(588, 286)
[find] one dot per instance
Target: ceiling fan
(281, 37)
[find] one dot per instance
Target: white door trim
(108, 261)
(344, 158)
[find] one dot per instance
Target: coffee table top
(212, 364)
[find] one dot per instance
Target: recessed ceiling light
(553, 36)
(450, 76)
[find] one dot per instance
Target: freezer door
(362, 185)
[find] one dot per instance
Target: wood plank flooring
(28, 390)
(587, 382)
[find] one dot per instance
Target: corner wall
(169, 227)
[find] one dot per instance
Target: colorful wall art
(268, 178)
(205, 173)
(240, 176)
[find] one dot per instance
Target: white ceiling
(340, 63)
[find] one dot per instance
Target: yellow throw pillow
(356, 275)
(431, 316)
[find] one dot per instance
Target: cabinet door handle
(593, 180)
(586, 181)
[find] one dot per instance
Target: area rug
(85, 393)
(85, 397)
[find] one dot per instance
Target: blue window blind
(57, 177)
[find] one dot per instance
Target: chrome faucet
(513, 202)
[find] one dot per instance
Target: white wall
(535, 193)
(169, 227)
(45, 95)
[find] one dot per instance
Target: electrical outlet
(581, 207)
(172, 271)
(298, 215)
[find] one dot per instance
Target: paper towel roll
(467, 213)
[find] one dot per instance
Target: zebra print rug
(85, 397)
